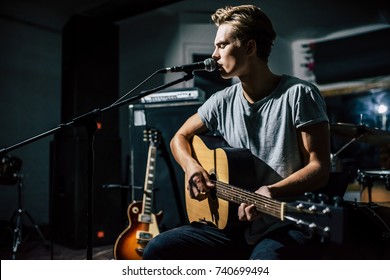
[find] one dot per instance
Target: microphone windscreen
(210, 64)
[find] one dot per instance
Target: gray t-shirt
(269, 126)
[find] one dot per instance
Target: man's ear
(251, 47)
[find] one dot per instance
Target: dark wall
(30, 86)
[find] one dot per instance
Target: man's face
(229, 52)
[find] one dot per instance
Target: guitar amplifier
(168, 187)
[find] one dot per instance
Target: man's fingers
(247, 212)
(200, 182)
(195, 193)
(241, 212)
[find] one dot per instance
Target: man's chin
(224, 75)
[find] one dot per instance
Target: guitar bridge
(203, 221)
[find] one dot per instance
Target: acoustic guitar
(143, 224)
(232, 167)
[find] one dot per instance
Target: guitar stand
(18, 215)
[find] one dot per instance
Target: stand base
(18, 231)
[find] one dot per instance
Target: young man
(282, 120)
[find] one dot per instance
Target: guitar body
(227, 165)
(132, 241)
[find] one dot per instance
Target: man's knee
(151, 251)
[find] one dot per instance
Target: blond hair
(249, 23)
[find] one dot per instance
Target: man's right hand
(199, 184)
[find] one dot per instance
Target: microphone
(208, 64)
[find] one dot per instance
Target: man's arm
(181, 150)
(314, 143)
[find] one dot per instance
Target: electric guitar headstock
(153, 136)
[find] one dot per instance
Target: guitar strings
(230, 192)
(264, 204)
(247, 193)
(250, 195)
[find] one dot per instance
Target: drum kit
(374, 184)
(369, 218)
(10, 174)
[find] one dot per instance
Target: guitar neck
(149, 180)
(262, 203)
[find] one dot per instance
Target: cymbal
(361, 132)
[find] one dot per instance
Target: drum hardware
(356, 132)
(10, 175)
(361, 132)
(367, 178)
(334, 160)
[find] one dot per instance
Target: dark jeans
(199, 241)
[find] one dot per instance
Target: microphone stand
(88, 120)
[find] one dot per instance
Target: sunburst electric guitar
(143, 224)
(229, 168)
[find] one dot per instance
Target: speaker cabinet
(70, 191)
(90, 70)
(90, 80)
(168, 186)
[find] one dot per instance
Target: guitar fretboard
(149, 179)
(262, 203)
